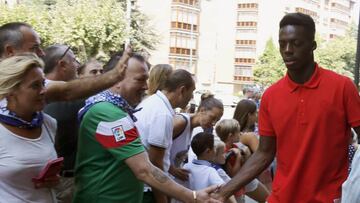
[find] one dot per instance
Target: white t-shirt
(202, 175)
(21, 159)
(155, 124)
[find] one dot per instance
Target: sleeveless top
(181, 143)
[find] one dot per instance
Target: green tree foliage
(91, 27)
(269, 67)
(339, 54)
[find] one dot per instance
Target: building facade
(219, 41)
(177, 22)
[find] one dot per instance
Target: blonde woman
(26, 134)
(157, 77)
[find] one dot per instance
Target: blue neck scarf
(108, 96)
(10, 118)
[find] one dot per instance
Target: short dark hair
(10, 34)
(299, 19)
(201, 142)
(52, 55)
(115, 58)
(178, 78)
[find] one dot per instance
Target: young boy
(202, 174)
(228, 130)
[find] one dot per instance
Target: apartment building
(219, 41)
(177, 22)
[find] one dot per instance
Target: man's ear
(182, 89)
(314, 45)
(207, 150)
(9, 50)
(61, 63)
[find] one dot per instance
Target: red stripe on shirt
(108, 141)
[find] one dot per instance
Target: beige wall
(159, 12)
(216, 43)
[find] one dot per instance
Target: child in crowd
(202, 174)
(220, 159)
(228, 131)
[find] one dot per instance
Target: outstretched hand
(206, 195)
(122, 64)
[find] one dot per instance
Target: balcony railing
(194, 3)
(182, 51)
(243, 78)
(184, 26)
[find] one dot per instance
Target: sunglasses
(64, 54)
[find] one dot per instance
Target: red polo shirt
(311, 123)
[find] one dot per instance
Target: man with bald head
(60, 63)
(18, 37)
(111, 163)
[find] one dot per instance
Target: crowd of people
(126, 134)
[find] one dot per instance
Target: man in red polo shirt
(305, 119)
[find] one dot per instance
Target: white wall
(159, 12)
(216, 42)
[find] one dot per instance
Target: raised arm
(145, 171)
(252, 167)
(85, 87)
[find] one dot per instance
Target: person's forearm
(159, 180)
(251, 169)
(157, 160)
(156, 178)
(83, 87)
